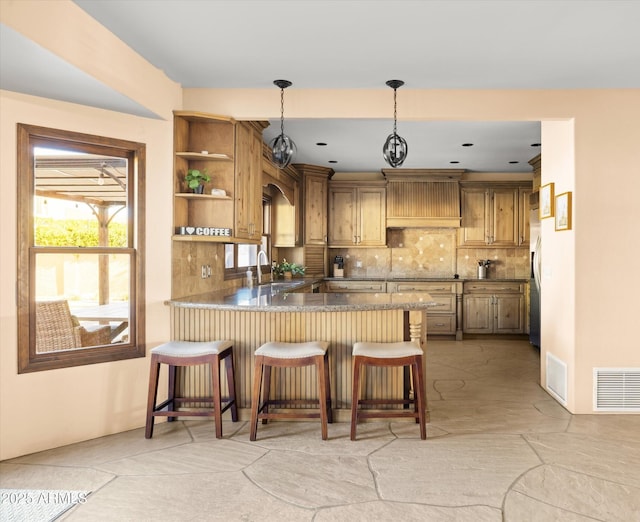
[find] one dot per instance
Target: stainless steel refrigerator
(536, 266)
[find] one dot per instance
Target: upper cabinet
(423, 197)
(493, 214)
(248, 180)
(357, 214)
(524, 215)
(315, 189)
(230, 153)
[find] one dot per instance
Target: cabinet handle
(439, 324)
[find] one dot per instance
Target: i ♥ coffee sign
(204, 231)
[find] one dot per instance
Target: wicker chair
(57, 329)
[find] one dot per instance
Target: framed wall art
(546, 201)
(563, 211)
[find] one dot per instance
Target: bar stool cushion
(387, 350)
(281, 350)
(191, 348)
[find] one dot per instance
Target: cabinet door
(478, 313)
(342, 216)
(475, 216)
(524, 216)
(504, 217)
(372, 229)
(509, 313)
(248, 193)
(315, 210)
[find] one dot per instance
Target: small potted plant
(288, 270)
(196, 179)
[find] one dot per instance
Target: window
(81, 252)
(237, 258)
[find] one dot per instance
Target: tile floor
(498, 448)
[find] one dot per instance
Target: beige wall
(52, 408)
(589, 301)
(47, 409)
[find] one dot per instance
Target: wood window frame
(28, 136)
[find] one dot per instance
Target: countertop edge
(351, 307)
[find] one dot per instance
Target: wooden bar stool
(290, 355)
(404, 353)
(188, 353)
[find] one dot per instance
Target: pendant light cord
(281, 110)
(395, 113)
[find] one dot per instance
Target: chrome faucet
(258, 269)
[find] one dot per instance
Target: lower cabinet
(442, 318)
(493, 307)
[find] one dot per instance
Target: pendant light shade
(283, 148)
(395, 148)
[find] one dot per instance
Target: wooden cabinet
(495, 214)
(315, 182)
(357, 214)
(356, 286)
(489, 215)
(230, 152)
(248, 182)
(493, 307)
(441, 319)
(524, 216)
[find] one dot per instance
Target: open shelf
(211, 156)
(213, 239)
(191, 195)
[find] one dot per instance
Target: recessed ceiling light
(333, 161)
(467, 144)
(535, 144)
(321, 144)
(454, 162)
(514, 162)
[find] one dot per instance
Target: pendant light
(282, 146)
(395, 148)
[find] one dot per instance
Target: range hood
(423, 198)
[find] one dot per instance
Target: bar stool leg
(231, 383)
(172, 390)
(266, 391)
(255, 402)
(327, 384)
(322, 394)
(419, 395)
(355, 395)
(217, 402)
(154, 373)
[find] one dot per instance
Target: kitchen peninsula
(253, 316)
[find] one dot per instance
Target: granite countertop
(393, 279)
(276, 297)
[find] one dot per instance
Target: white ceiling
(452, 44)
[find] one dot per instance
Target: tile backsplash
(431, 253)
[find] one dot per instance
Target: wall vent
(616, 389)
(557, 378)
